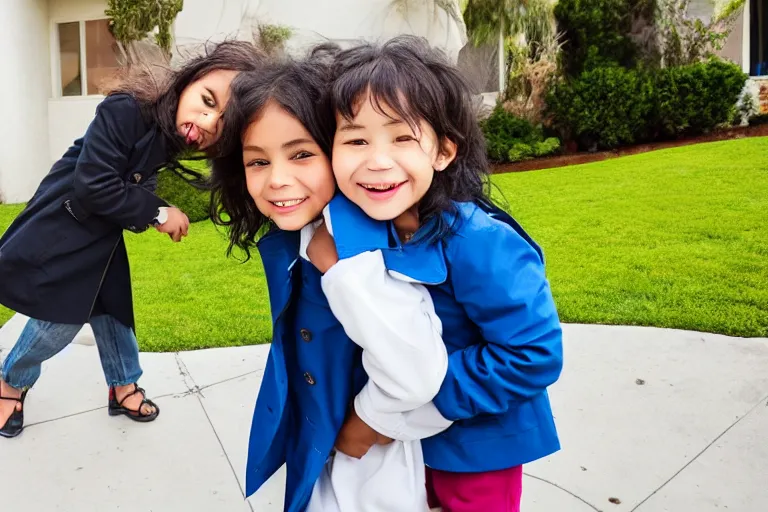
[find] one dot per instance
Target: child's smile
(381, 164)
(287, 174)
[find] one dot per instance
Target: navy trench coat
(63, 259)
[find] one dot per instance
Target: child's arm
(403, 350)
(500, 281)
(401, 336)
(98, 186)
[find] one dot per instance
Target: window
(87, 56)
(758, 38)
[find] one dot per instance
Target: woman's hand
(322, 250)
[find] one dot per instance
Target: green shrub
(176, 191)
(596, 33)
(512, 139)
(603, 108)
(520, 151)
(546, 147)
(611, 106)
(697, 98)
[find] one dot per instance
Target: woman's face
(201, 104)
(286, 172)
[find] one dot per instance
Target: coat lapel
(279, 251)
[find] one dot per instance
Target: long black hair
(300, 87)
(418, 83)
(158, 89)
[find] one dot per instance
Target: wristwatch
(161, 217)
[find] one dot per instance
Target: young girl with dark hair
(270, 190)
(409, 161)
(63, 261)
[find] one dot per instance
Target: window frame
(56, 90)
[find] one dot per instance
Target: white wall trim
(746, 56)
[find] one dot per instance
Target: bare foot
(133, 402)
(8, 406)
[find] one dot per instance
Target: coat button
(309, 378)
(306, 334)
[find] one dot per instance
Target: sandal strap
(140, 411)
(136, 389)
(12, 399)
(144, 401)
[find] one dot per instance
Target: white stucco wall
(25, 87)
(76, 10)
(68, 120)
(69, 117)
(316, 20)
(45, 125)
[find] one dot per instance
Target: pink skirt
(492, 491)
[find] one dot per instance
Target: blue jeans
(39, 341)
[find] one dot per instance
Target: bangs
(393, 93)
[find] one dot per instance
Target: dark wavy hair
(300, 87)
(158, 88)
(418, 83)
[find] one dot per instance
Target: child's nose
(209, 121)
(380, 161)
(279, 177)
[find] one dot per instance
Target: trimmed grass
(8, 212)
(188, 295)
(674, 238)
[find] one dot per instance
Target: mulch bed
(738, 132)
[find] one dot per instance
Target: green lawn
(188, 295)
(675, 238)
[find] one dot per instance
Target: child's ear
(447, 154)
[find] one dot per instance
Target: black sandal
(116, 408)
(15, 423)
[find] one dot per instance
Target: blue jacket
(500, 327)
(312, 374)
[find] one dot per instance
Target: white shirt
(395, 323)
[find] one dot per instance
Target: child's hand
(356, 437)
(176, 226)
(322, 250)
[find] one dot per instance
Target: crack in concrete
(230, 379)
(189, 381)
(221, 444)
(195, 390)
(553, 484)
(750, 411)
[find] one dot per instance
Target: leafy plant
(608, 107)
(687, 40)
(130, 21)
(510, 138)
(697, 98)
(597, 34)
(603, 107)
(272, 38)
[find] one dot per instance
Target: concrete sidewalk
(650, 420)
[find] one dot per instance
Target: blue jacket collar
(356, 233)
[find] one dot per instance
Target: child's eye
(257, 163)
(301, 155)
(404, 138)
(209, 101)
(357, 142)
